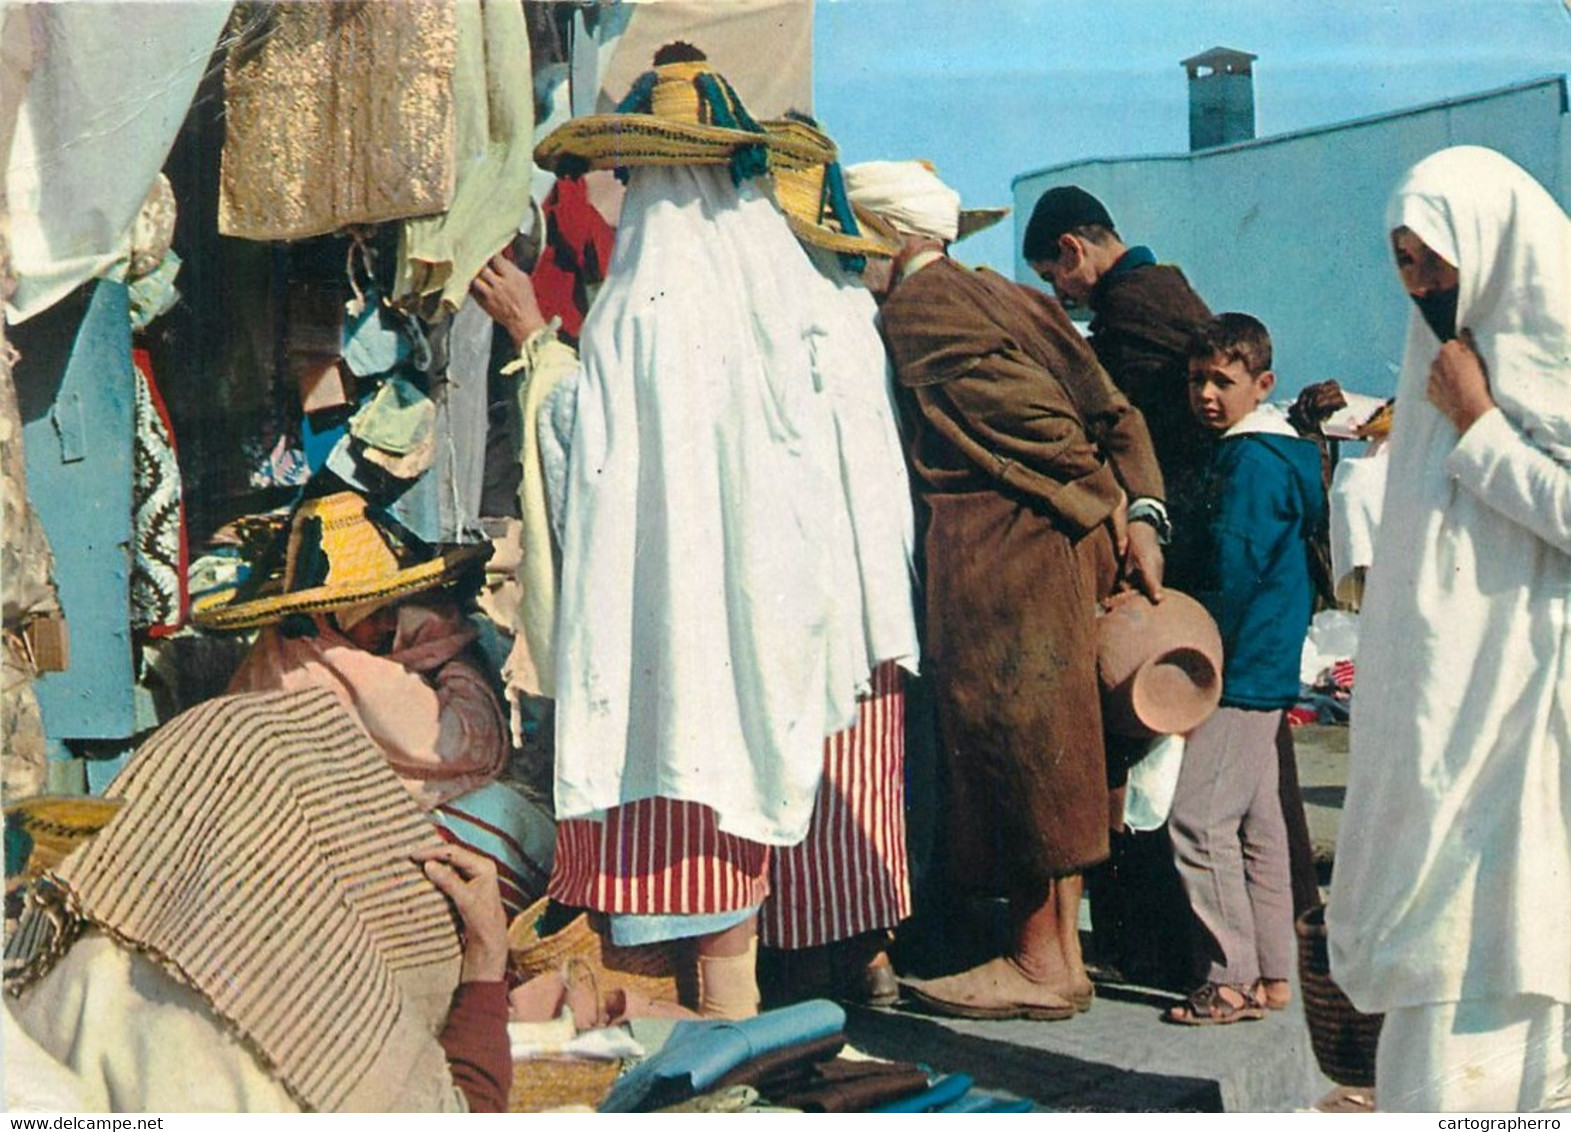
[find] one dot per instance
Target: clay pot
(1160, 665)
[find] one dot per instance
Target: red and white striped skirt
(850, 874)
(657, 857)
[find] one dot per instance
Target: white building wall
(1292, 229)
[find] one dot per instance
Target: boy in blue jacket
(1265, 499)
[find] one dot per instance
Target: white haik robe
(708, 637)
(1453, 864)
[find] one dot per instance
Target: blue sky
(987, 89)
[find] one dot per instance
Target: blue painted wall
(78, 447)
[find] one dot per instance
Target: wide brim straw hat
(974, 220)
(814, 201)
(45, 829)
(679, 113)
(338, 552)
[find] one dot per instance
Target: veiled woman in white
(1450, 907)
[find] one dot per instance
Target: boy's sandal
(1205, 1006)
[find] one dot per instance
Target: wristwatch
(1153, 512)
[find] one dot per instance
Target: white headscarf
(1455, 841)
(1512, 245)
(907, 194)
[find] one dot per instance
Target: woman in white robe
(1450, 907)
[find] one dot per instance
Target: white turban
(907, 194)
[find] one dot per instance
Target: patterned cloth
(263, 859)
(851, 874)
(657, 857)
(501, 822)
(576, 254)
(158, 569)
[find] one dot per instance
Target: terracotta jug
(1160, 665)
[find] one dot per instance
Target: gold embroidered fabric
(337, 113)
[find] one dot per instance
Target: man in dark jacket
(1030, 464)
(1143, 314)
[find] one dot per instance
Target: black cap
(1058, 211)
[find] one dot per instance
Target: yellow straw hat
(683, 112)
(814, 201)
(47, 827)
(338, 552)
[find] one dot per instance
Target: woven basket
(544, 1083)
(657, 970)
(1344, 1039)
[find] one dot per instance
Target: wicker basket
(656, 971)
(547, 1083)
(1344, 1039)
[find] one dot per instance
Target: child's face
(1223, 392)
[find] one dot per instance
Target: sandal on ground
(1273, 994)
(1205, 1006)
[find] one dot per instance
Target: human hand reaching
(508, 295)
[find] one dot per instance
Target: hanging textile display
(92, 130)
(493, 109)
(158, 566)
(305, 89)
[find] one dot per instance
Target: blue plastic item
(699, 1053)
(943, 1091)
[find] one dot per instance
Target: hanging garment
(108, 90)
(493, 111)
(1453, 859)
(308, 90)
(577, 249)
(462, 396)
(158, 567)
(702, 652)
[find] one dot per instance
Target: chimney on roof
(1221, 97)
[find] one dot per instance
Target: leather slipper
(997, 989)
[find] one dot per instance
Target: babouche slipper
(1205, 1006)
(996, 989)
